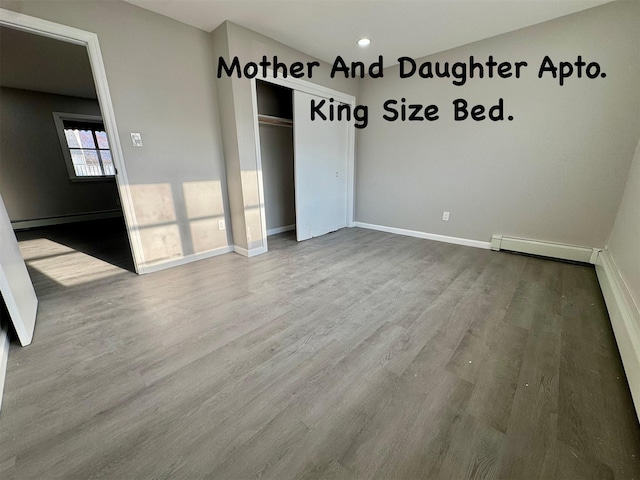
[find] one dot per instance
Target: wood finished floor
(359, 354)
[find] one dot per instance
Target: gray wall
(624, 243)
(161, 81)
(34, 180)
(276, 152)
(555, 173)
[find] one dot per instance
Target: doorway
(57, 176)
(88, 43)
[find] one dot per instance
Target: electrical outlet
(445, 216)
(221, 225)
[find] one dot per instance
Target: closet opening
(275, 124)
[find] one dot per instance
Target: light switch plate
(136, 139)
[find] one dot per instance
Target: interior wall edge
(624, 315)
(229, 136)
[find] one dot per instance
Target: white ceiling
(321, 28)
(327, 28)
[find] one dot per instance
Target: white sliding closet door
(321, 150)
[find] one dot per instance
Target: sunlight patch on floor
(57, 262)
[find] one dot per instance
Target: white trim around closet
(314, 89)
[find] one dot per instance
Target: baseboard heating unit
(545, 249)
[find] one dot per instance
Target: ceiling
(327, 28)
(321, 28)
(42, 64)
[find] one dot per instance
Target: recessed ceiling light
(363, 42)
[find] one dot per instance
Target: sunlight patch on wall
(206, 236)
(161, 243)
(156, 216)
(252, 210)
(153, 204)
(203, 201)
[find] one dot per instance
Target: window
(85, 146)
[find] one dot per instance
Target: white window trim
(59, 118)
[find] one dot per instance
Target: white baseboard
(429, 236)
(194, 257)
(625, 320)
(249, 253)
(79, 217)
(275, 231)
(4, 356)
(545, 249)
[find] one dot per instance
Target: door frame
(320, 91)
(89, 40)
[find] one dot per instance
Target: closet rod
(283, 122)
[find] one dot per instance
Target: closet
(275, 121)
(307, 165)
